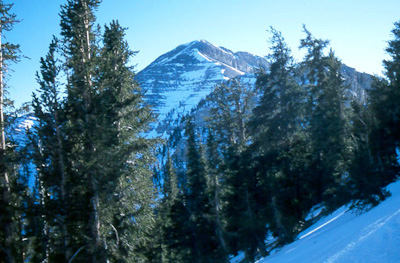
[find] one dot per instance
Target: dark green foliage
(366, 180)
(94, 185)
(245, 201)
(376, 132)
(384, 97)
(11, 191)
(328, 128)
(48, 154)
(278, 129)
(235, 215)
(204, 244)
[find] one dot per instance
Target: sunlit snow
(346, 236)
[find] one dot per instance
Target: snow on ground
(346, 236)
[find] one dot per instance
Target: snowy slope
(18, 131)
(348, 237)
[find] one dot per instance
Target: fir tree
(384, 96)
(278, 142)
(327, 119)
(10, 241)
(193, 219)
(127, 174)
(50, 159)
(365, 183)
(227, 136)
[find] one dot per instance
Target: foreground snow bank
(347, 237)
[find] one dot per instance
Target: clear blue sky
(358, 29)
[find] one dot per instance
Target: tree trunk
(95, 218)
(218, 216)
(6, 180)
(63, 186)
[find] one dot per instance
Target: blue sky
(358, 29)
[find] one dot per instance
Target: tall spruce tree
(49, 156)
(204, 246)
(327, 119)
(10, 231)
(365, 183)
(161, 248)
(236, 217)
(384, 96)
(78, 40)
(125, 172)
(279, 141)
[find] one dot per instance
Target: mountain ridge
(176, 81)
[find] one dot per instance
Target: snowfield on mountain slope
(348, 237)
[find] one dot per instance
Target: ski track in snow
(348, 237)
(370, 230)
(321, 226)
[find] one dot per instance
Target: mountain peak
(199, 51)
(179, 79)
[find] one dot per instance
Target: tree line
(246, 166)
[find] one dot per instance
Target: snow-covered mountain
(347, 236)
(176, 81)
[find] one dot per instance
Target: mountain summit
(177, 80)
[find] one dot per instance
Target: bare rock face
(359, 83)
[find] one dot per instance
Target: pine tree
(9, 233)
(235, 214)
(123, 118)
(161, 247)
(193, 220)
(327, 119)
(230, 106)
(365, 182)
(279, 142)
(384, 96)
(216, 188)
(78, 41)
(50, 160)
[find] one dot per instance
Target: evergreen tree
(327, 118)
(227, 136)
(78, 40)
(94, 165)
(204, 245)
(193, 219)
(162, 246)
(365, 184)
(10, 240)
(279, 142)
(49, 157)
(384, 96)
(230, 106)
(216, 182)
(122, 118)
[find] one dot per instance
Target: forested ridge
(246, 165)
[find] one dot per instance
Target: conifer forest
(248, 163)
